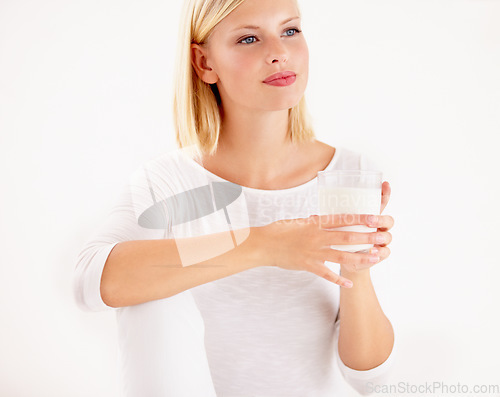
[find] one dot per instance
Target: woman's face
(258, 39)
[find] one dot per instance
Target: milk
(350, 200)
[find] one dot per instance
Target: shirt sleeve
(121, 224)
(364, 382)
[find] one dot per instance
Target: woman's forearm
(366, 336)
(144, 270)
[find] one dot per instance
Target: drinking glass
(350, 192)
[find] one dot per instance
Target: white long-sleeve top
(263, 332)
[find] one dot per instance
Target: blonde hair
(197, 117)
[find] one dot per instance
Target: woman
(214, 258)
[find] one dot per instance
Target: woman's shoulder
(169, 165)
(321, 153)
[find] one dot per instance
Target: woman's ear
(199, 62)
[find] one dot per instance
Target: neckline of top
(267, 191)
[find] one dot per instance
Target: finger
(381, 238)
(383, 251)
(382, 222)
(385, 223)
(333, 237)
(339, 220)
(386, 194)
(353, 260)
(327, 274)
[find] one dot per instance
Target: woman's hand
(304, 243)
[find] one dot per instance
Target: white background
(85, 98)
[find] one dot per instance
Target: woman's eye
(244, 41)
(252, 39)
(294, 30)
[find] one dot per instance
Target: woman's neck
(256, 144)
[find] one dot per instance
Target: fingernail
(374, 259)
(373, 250)
(380, 238)
(348, 284)
(373, 220)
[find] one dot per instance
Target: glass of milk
(350, 192)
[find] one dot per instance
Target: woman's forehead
(253, 13)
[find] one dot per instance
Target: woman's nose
(277, 52)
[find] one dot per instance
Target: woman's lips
(281, 79)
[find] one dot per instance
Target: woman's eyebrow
(256, 27)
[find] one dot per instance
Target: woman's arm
(366, 336)
(124, 263)
(145, 270)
